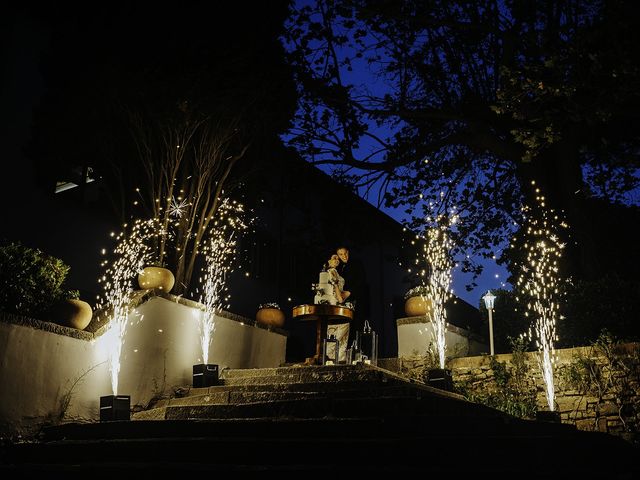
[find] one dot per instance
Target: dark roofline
(314, 170)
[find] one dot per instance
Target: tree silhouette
(477, 100)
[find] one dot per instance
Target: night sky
(27, 33)
(27, 39)
(76, 230)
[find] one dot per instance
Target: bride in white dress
(341, 331)
(337, 280)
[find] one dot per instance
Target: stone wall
(596, 388)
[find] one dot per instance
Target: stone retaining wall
(596, 388)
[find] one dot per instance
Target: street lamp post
(488, 302)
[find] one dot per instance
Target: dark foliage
(511, 389)
(609, 302)
(476, 100)
(31, 282)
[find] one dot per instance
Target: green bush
(511, 389)
(30, 280)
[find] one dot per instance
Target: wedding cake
(325, 292)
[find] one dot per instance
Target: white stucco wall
(163, 343)
(38, 368)
(415, 334)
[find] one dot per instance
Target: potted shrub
(269, 314)
(416, 303)
(31, 285)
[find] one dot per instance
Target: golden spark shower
(131, 254)
(437, 272)
(539, 284)
(220, 252)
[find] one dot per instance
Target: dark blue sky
(364, 80)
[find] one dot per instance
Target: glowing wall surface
(47, 376)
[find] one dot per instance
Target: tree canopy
(469, 103)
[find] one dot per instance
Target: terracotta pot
(72, 313)
(156, 277)
(272, 317)
(416, 306)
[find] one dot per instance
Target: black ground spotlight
(115, 407)
(205, 375)
(440, 378)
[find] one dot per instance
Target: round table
(323, 314)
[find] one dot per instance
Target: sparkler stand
(548, 416)
(440, 378)
(115, 407)
(205, 375)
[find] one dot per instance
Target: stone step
(158, 413)
(305, 377)
(409, 426)
(294, 384)
(221, 391)
(317, 378)
(324, 380)
(295, 369)
(328, 420)
(330, 406)
(257, 393)
(312, 372)
(408, 444)
(269, 393)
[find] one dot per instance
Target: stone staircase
(321, 419)
(352, 391)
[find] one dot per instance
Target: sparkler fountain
(132, 252)
(539, 283)
(436, 253)
(436, 278)
(219, 253)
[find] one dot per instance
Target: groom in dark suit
(352, 270)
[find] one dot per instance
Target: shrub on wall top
(31, 282)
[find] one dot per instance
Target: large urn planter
(270, 317)
(156, 278)
(72, 313)
(417, 306)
